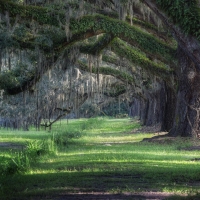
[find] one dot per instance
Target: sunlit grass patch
(17, 136)
(103, 155)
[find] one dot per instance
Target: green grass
(101, 155)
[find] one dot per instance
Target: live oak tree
(184, 25)
(142, 51)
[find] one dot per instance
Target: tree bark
(157, 108)
(167, 107)
(187, 111)
(190, 45)
(188, 99)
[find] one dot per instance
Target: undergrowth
(20, 161)
(62, 137)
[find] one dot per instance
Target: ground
(105, 196)
(95, 188)
(160, 137)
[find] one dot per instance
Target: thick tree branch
(101, 23)
(124, 77)
(187, 43)
(137, 58)
(98, 46)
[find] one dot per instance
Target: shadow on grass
(100, 196)
(84, 185)
(189, 197)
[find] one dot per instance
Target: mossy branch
(40, 14)
(124, 77)
(137, 58)
(123, 30)
(98, 46)
(184, 13)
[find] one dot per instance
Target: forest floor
(111, 159)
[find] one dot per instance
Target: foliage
(123, 30)
(58, 33)
(115, 110)
(36, 148)
(184, 13)
(93, 123)
(96, 47)
(22, 160)
(39, 13)
(140, 59)
(63, 138)
(109, 71)
(48, 35)
(6, 40)
(121, 115)
(17, 165)
(89, 110)
(15, 78)
(118, 28)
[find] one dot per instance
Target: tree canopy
(61, 54)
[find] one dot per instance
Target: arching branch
(126, 78)
(136, 57)
(188, 43)
(118, 28)
(81, 29)
(98, 46)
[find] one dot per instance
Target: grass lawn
(97, 156)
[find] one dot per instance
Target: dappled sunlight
(107, 162)
(113, 138)
(19, 136)
(131, 153)
(108, 181)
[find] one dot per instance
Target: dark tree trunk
(157, 109)
(135, 108)
(167, 107)
(188, 99)
(139, 108)
(153, 113)
(150, 115)
(186, 119)
(144, 111)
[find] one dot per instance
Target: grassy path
(102, 159)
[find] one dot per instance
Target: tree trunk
(188, 96)
(157, 108)
(144, 111)
(188, 99)
(167, 107)
(135, 108)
